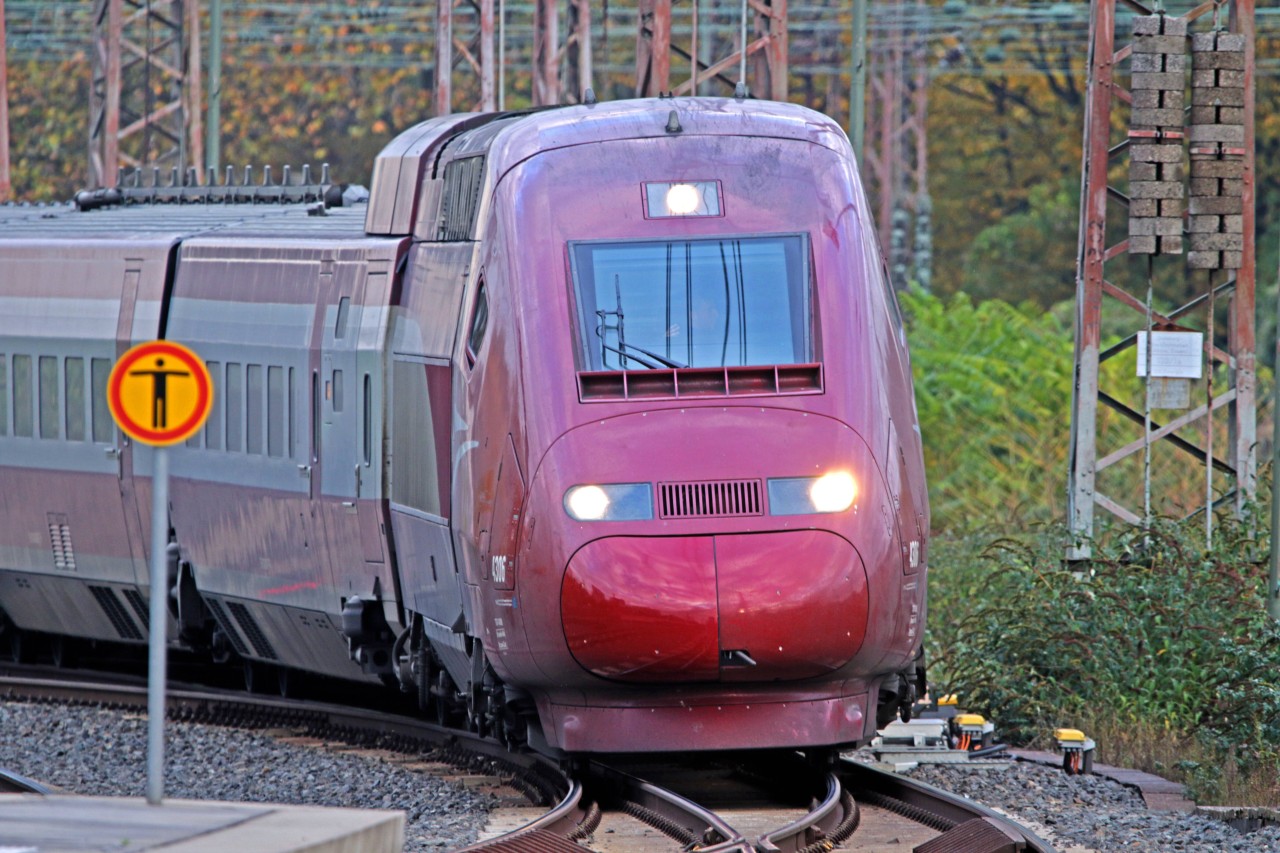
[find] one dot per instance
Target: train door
(123, 450)
(319, 393)
(353, 528)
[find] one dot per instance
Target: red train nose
(743, 607)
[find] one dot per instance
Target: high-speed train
(593, 428)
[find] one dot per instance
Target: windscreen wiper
(629, 351)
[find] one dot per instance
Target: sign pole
(159, 393)
(156, 646)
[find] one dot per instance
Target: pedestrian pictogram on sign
(160, 393)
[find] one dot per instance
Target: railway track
(773, 803)
(745, 802)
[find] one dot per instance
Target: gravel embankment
(104, 753)
(1089, 813)
(92, 751)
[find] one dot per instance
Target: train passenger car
(594, 429)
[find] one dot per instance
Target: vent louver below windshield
(710, 499)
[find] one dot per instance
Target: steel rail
(535, 776)
(575, 814)
(832, 821)
(665, 810)
(12, 783)
(930, 805)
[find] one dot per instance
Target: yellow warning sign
(160, 393)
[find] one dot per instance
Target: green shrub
(993, 389)
(1154, 633)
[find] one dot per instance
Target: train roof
(410, 187)
(653, 118)
(172, 222)
(400, 202)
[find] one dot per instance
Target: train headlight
(612, 502)
(681, 198)
(832, 492)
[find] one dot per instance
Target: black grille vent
(461, 198)
(227, 628)
(64, 556)
(251, 630)
(709, 499)
(115, 611)
(139, 605)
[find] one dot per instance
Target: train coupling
(1077, 751)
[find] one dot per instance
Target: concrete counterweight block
(1216, 132)
(1158, 67)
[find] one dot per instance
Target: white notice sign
(1174, 355)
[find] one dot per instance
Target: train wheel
(288, 683)
(65, 652)
(18, 647)
(479, 714)
(446, 694)
(257, 677)
(422, 677)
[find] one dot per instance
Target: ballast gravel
(104, 753)
(1090, 813)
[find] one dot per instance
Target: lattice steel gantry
(145, 98)
(895, 163)
(1219, 224)
(4, 110)
(766, 52)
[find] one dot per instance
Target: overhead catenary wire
(398, 35)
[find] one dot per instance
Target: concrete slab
(32, 823)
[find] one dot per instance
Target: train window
(23, 423)
(479, 323)
(367, 426)
(213, 426)
(415, 462)
(693, 303)
(50, 402)
(253, 408)
(235, 406)
(103, 425)
(275, 411)
(4, 395)
(337, 390)
(340, 324)
(74, 396)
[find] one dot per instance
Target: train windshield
(725, 302)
